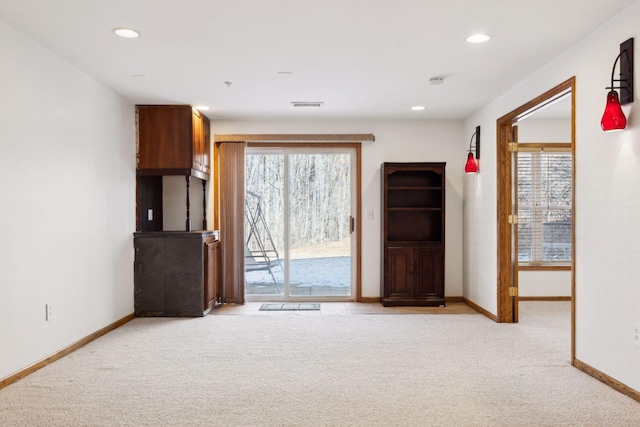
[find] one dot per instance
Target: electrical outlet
(48, 311)
(369, 213)
(636, 333)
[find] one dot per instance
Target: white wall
(396, 141)
(174, 203)
(607, 202)
(67, 167)
(544, 283)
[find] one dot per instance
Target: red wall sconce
(472, 164)
(613, 117)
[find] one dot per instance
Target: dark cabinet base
(175, 273)
(413, 277)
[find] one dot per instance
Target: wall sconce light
(613, 117)
(472, 164)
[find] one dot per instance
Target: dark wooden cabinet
(413, 224)
(176, 274)
(173, 140)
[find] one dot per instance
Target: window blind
(230, 163)
(544, 206)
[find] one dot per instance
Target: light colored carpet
(323, 370)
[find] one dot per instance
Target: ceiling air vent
(307, 104)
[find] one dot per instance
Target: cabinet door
(399, 274)
(429, 274)
(165, 137)
(198, 141)
(201, 142)
(212, 273)
(149, 266)
(206, 134)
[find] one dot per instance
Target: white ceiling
(365, 59)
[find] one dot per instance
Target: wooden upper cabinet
(172, 140)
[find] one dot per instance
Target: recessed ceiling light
(127, 33)
(139, 76)
(478, 38)
(202, 107)
(418, 107)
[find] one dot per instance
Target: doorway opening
(508, 219)
(300, 216)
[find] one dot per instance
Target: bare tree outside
(318, 201)
(544, 206)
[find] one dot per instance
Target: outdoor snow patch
(290, 307)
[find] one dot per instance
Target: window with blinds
(544, 206)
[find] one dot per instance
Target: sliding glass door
(299, 230)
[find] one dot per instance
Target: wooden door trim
(505, 308)
(505, 312)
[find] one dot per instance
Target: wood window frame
(558, 147)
